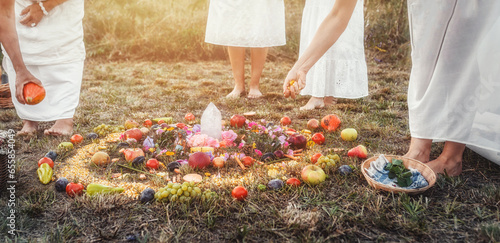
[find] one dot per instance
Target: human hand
(32, 15)
(294, 83)
(23, 77)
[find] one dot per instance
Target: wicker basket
(5, 99)
(425, 170)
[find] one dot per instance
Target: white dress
(341, 72)
(454, 91)
(53, 52)
(246, 23)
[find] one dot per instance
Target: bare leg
(313, 103)
(259, 56)
(330, 100)
(63, 127)
(420, 149)
(237, 58)
(29, 128)
(449, 160)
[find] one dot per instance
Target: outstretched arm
(8, 38)
(327, 34)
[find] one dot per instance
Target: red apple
(313, 175)
(239, 193)
(285, 121)
(297, 141)
(76, 139)
(189, 117)
(134, 133)
(147, 123)
(199, 160)
(315, 157)
(318, 138)
(247, 161)
(358, 151)
(238, 121)
(132, 153)
(153, 164)
(293, 182)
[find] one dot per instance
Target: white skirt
(62, 83)
(454, 91)
(245, 23)
(341, 72)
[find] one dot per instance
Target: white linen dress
(454, 90)
(246, 23)
(53, 52)
(341, 72)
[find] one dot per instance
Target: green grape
(173, 191)
(190, 189)
(193, 194)
(157, 195)
(173, 198)
(179, 192)
(187, 194)
(163, 194)
(176, 186)
(197, 190)
(184, 187)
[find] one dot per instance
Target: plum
(61, 184)
(139, 160)
(51, 155)
(92, 136)
(345, 170)
(173, 165)
(147, 195)
(275, 184)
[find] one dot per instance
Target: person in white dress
(341, 72)
(51, 41)
(8, 38)
(241, 24)
(327, 34)
(453, 95)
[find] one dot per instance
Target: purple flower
(148, 143)
(196, 128)
(159, 131)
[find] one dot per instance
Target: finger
(19, 95)
(26, 20)
(286, 93)
(25, 11)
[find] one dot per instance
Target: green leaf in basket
(397, 162)
(392, 175)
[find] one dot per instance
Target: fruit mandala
(252, 153)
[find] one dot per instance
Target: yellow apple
(349, 134)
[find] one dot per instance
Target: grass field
(147, 77)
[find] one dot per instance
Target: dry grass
(344, 208)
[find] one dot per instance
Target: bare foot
(236, 93)
(313, 103)
(330, 100)
(420, 149)
(29, 128)
(452, 166)
(63, 127)
(449, 160)
(254, 93)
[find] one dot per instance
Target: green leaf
(397, 162)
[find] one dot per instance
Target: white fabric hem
(244, 45)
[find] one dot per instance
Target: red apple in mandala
(285, 121)
(318, 138)
(134, 133)
(313, 175)
(297, 141)
(132, 153)
(238, 121)
(199, 160)
(358, 151)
